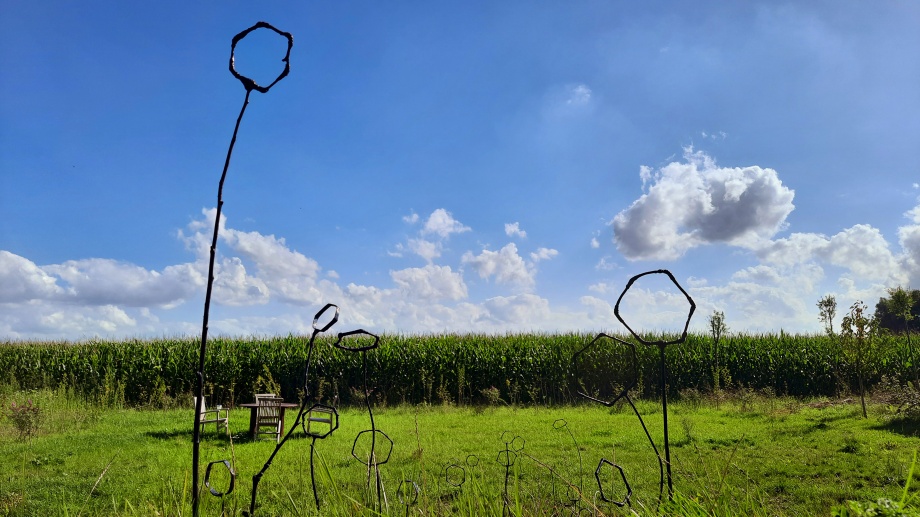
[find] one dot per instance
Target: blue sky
(466, 166)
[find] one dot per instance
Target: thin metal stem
(664, 407)
(199, 378)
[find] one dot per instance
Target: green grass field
(738, 455)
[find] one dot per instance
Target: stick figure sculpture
(507, 458)
(362, 341)
(250, 85)
(661, 344)
(333, 423)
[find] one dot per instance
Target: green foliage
(26, 418)
(859, 343)
(882, 507)
(717, 328)
(879, 508)
(827, 308)
(525, 369)
(900, 311)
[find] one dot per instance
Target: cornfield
(448, 368)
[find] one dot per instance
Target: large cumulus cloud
(696, 202)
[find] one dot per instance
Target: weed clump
(26, 418)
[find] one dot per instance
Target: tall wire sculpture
(661, 344)
(318, 328)
(250, 85)
(357, 341)
(507, 457)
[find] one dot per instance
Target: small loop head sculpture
(360, 337)
(248, 83)
(600, 485)
(207, 478)
(454, 475)
(335, 318)
(692, 306)
(373, 458)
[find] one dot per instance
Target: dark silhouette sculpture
(632, 376)
(507, 458)
(249, 85)
(661, 344)
(373, 462)
(332, 415)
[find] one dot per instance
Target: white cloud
(578, 95)
(696, 202)
(21, 280)
(595, 243)
(600, 287)
(426, 249)
(514, 230)
(505, 265)
(430, 283)
(765, 297)
(443, 224)
(522, 309)
(233, 286)
(543, 254)
(605, 264)
(861, 249)
(95, 282)
(439, 226)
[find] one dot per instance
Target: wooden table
(254, 415)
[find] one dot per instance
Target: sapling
(859, 330)
(717, 328)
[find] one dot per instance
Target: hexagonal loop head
(630, 384)
(248, 83)
(360, 332)
(600, 486)
(372, 459)
(683, 335)
(455, 475)
(408, 491)
(207, 478)
(319, 314)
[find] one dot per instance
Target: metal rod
(199, 378)
(664, 407)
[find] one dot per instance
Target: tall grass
(447, 368)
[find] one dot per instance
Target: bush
(26, 418)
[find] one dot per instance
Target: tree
(828, 309)
(859, 330)
(900, 312)
(900, 304)
(717, 328)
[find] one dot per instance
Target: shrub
(26, 418)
